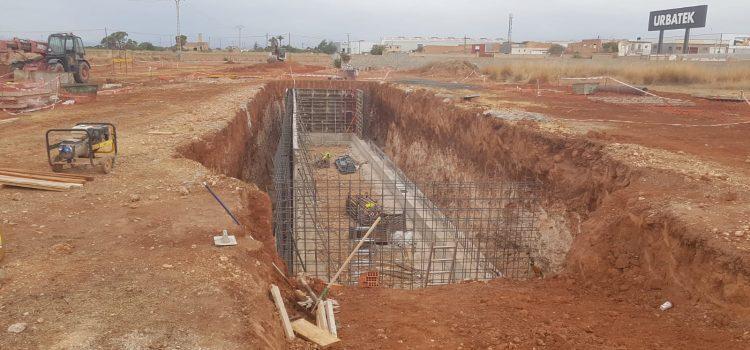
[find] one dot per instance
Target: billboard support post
(686, 43)
(661, 42)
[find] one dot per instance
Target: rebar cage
(430, 233)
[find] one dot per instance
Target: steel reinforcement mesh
(430, 233)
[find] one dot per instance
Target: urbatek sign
(681, 18)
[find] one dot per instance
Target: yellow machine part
(104, 147)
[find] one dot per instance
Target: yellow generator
(85, 144)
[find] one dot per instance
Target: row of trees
(121, 41)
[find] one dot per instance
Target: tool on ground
(225, 235)
(63, 52)
(2, 252)
(282, 275)
(346, 164)
(225, 239)
(325, 291)
(96, 142)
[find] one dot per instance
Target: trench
(461, 196)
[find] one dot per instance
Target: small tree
(116, 40)
(556, 50)
(146, 46)
(377, 49)
(325, 46)
(345, 57)
(180, 42)
(130, 45)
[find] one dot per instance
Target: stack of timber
(41, 180)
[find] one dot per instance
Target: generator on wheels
(86, 144)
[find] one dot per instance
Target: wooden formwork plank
(32, 172)
(43, 177)
(313, 333)
(37, 184)
(279, 301)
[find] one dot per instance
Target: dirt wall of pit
(591, 203)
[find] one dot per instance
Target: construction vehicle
(277, 54)
(85, 144)
(63, 52)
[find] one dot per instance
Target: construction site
(277, 200)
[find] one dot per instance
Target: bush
(377, 49)
(337, 63)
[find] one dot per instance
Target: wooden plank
(311, 332)
(276, 294)
(72, 176)
(36, 184)
(320, 316)
(331, 318)
(43, 177)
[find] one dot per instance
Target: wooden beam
(37, 184)
(331, 318)
(43, 177)
(31, 172)
(320, 316)
(276, 294)
(311, 332)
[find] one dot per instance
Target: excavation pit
(431, 232)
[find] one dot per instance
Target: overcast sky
(310, 21)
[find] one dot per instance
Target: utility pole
(289, 39)
(510, 33)
(178, 38)
(239, 37)
(348, 43)
(465, 43)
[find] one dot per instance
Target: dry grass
(724, 74)
(448, 68)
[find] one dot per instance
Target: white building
(357, 47)
(409, 44)
(633, 48)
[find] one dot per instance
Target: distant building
(693, 48)
(358, 47)
(198, 45)
(417, 43)
(526, 48)
(391, 48)
(633, 48)
(585, 48)
(442, 49)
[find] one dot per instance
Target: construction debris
(279, 301)
(346, 164)
(313, 333)
(39, 180)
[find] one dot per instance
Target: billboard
(680, 18)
